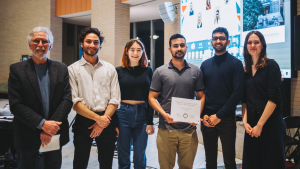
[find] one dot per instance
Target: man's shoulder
(57, 63)
(108, 65)
(194, 67)
(233, 57)
(19, 64)
(74, 66)
(161, 70)
(162, 67)
(206, 62)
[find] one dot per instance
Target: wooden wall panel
(89, 5)
(73, 6)
(58, 7)
(77, 4)
(65, 7)
(68, 6)
(83, 4)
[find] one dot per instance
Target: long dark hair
(263, 54)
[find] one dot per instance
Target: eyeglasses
(37, 41)
(221, 38)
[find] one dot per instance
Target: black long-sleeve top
(264, 86)
(223, 83)
(134, 84)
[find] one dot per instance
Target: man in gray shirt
(176, 79)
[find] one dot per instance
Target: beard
(38, 55)
(178, 57)
(90, 53)
(222, 49)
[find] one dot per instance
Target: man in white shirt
(96, 96)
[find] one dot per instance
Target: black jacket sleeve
(17, 106)
(63, 110)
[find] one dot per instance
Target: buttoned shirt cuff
(39, 126)
(77, 99)
(114, 101)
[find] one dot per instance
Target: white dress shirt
(94, 86)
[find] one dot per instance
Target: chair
(293, 123)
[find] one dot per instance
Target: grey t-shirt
(170, 82)
(44, 84)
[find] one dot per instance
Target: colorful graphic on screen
(199, 18)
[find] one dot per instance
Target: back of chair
(292, 122)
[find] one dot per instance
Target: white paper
(53, 145)
(7, 117)
(185, 110)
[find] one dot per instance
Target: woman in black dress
(264, 141)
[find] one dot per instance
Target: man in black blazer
(40, 99)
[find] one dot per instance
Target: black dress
(268, 150)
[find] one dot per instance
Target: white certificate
(53, 145)
(185, 110)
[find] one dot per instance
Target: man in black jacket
(40, 99)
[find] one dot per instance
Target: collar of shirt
(220, 56)
(171, 66)
(83, 61)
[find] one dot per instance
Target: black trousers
(226, 130)
(31, 160)
(105, 144)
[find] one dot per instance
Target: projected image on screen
(267, 17)
(271, 17)
(208, 15)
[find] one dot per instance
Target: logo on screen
(185, 115)
(193, 46)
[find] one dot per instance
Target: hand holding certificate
(185, 110)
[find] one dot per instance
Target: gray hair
(40, 29)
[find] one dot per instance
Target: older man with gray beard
(40, 98)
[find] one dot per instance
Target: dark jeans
(132, 125)
(226, 130)
(29, 159)
(105, 144)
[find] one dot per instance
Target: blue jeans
(132, 125)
